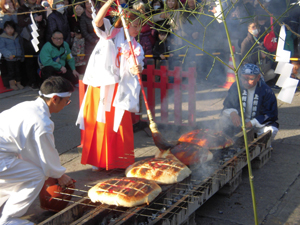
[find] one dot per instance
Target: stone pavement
(276, 184)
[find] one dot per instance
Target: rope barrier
(146, 56)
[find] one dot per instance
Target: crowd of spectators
(179, 31)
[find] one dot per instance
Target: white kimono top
(110, 63)
(26, 131)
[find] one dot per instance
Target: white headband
(62, 94)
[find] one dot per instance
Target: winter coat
(58, 21)
(56, 57)
(147, 40)
(247, 43)
(24, 21)
(88, 33)
(10, 45)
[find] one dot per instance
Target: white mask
(6, 6)
(155, 7)
(255, 32)
(60, 8)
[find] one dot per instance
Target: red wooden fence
(177, 85)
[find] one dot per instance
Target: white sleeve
(109, 30)
(49, 158)
(227, 112)
(255, 123)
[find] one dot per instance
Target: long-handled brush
(159, 140)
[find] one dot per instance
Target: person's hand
(63, 69)
(248, 124)
(263, 55)
(162, 56)
(75, 73)
(136, 69)
(195, 35)
(236, 119)
(38, 18)
(65, 180)
(11, 57)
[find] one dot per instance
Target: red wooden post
(177, 96)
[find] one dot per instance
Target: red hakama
(102, 147)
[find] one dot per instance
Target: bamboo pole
(243, 117)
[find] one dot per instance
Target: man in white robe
(27, 150)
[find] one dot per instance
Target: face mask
(60, 8)
(6, 6)
(156, 7)
(255, 32)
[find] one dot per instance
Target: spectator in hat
(58, 20)
(78, 47)
(259, 104)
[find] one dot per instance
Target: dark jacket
(88, 33)
(247, 43)
(266, 111)
(58, 21)
(147, 40)
(24, 22)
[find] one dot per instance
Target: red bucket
(51, 190)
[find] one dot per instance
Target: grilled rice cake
(190, 154)
(161, 170)
(127, 192)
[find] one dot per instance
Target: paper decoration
(284, 68)
(285, 74)
(287, 92)
(34, 34)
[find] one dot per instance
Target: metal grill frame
(83, 212)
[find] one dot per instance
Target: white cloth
(20, 185)
(27, 156)
(105, 75)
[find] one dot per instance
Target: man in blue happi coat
(259, 104)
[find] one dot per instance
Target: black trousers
(49, 71)
(13, 70)
(31, 64)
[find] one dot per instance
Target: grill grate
(177, 202)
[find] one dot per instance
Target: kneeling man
(259, 103)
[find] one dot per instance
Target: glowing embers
(207, 138)
(190, 154)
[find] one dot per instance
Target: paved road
(276, 184)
